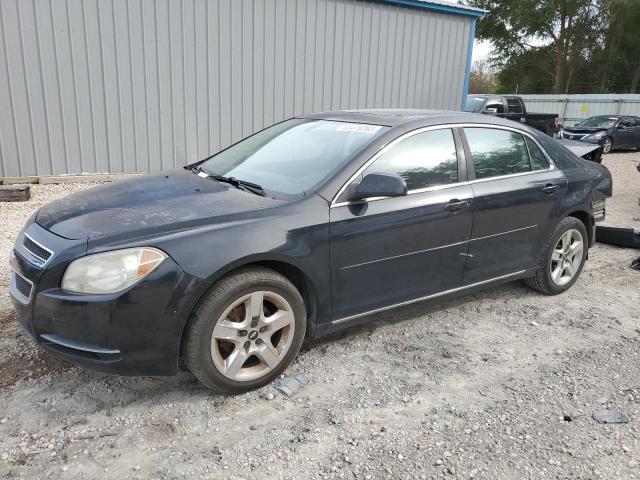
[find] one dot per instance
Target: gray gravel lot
(499, 384)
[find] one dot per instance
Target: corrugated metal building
(144, 85)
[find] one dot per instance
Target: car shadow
(420, 309)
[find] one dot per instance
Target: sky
(481, 50)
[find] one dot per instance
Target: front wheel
(248, 328)
(563, 258)
(607, 146)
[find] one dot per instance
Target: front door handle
(550, 188)
(456, 205)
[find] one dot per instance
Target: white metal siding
(573, 108)
(145, 85)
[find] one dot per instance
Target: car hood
(585, 129)
(165, 202)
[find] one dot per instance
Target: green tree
(620, 57)
(530, 71)
(482, 78)
(566, 27)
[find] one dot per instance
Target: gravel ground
(500, 384)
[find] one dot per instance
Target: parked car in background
(513, 108)
(302, 229)
(610, 131)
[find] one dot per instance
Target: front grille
(22, 286)
(36, 250)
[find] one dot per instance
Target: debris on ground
(289, 386)
(620, 237)
(610, 416)
(15, 193)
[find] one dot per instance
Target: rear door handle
(550, 188)
(456, 205)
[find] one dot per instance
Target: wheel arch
(286, 267)
(301, 281)
(587, 220)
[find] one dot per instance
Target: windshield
(294, 156)
(599, 121)
(474, 104)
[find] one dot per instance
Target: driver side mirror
(381, 185)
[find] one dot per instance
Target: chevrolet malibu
(307, 227)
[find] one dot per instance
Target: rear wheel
(246, 331)
(563, 258)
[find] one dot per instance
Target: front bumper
(133, 332)
(578, 137)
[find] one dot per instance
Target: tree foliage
(563, 46)
(482, 78)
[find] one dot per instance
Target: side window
(424, 160)
(538, 160)
(514, 105)
(495, 103)
(625, 121)
(497, 152)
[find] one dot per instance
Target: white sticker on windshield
(358, 127)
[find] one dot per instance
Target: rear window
(497, 152)
(538, 159)
(514, 104)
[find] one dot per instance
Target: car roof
(416, 117)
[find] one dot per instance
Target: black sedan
(610, 131)
(302, 229)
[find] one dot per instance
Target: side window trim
(470, 171)
(470, 167)
(463, 172)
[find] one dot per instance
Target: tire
(546, 279)
(607, 146)
(259, 320)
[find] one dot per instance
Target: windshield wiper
(241, 184)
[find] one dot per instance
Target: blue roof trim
(467, 73)
(438, 7)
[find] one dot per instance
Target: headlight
(597, 135)
(111, 272)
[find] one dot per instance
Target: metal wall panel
(575, 107)
(145, 85)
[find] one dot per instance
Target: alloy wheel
(252, 336)
(608, 144)
(566, 257)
